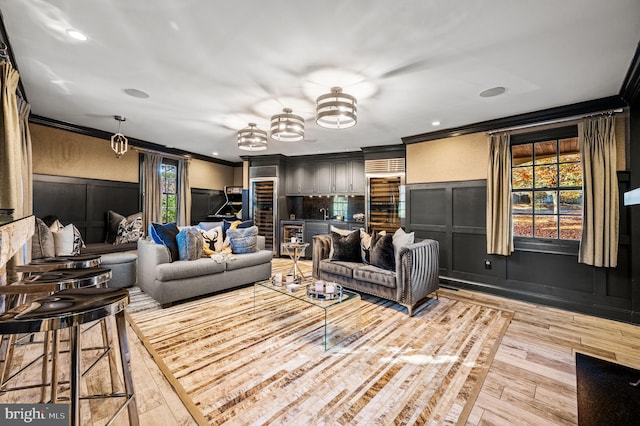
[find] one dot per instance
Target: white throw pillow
(212, 238)
(56, 226)
(68, 241)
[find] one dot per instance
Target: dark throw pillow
(346, 247)
(243, 240)
(42, 244)
(167, 234)
(382, 254)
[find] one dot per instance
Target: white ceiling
(210, 67)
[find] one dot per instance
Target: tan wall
(206, 175)
(465, 157)
(62, 153)
(451, 159)
(237, 175)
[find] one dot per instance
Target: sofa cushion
(375, 275)
(183, 269)
(337, 267)
(346, 247)
(382, 254)
(243, 240)
(239, 261)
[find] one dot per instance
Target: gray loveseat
(415, 277)
(169, 282)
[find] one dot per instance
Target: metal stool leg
(125, 357)
(107, 341)
(74, 353)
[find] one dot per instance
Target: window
(169, 183)
(546, 178)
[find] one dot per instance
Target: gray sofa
(415, 277)
(169, 282)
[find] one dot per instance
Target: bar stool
(48, 282)
(70, 309)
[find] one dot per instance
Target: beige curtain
(499, 222)
(24, 109)
(152, 208)
(599, 242)
(184, 196)
(11, 149)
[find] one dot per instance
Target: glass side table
(295, 252)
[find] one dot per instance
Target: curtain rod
(164, 154)
(558, 120)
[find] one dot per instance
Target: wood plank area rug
(233, 365)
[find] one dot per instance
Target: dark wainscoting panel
(205, 202)
(453, 213)
(84, 202)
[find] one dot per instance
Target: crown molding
(630, 90)
(101, 134)
(541, 116)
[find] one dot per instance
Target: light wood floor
(531, 380)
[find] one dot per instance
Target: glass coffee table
(341, 315)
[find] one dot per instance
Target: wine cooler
(385, 204)
(263, 199)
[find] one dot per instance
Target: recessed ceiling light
(136, 93)
(435, 123)
(215, 153)
(494, 91)
(76, 34)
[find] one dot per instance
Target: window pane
(546, 176)
(570, 227)
(522, 225)
(546, 226)
(522, 202)
(571, 174)
(545, 202)
(569, 150)
(571, 202)
(171, 201)
(521, 155)
(546, 152)
(522, 177)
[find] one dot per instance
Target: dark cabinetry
(325, 177)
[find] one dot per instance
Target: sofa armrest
(150, 255)
(261, 242)
(417, 274)
(321, 250)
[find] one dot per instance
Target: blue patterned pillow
(166, 234)
(243, 240)
(226, 225)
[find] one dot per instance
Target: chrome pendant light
(119, 143)
(287, 127)
(252, 138)
(336, 110)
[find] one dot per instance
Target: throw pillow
(113, 223)
(190, 244)
(346, 247)
(42, 244)
(166, 234)
(55, 226)
(382, 254)
(341, 232)
(237, 224)
(209, 225)
(212, 238)
(401, 239)
(365, 245)
(129, 232)
(50, 219)
(68, 241)
(243, 240)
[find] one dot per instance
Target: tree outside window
(546, 180)
(169, 183)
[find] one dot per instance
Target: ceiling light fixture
(336, 110)
(287, 127)
(435, 123)
(252, 138)
(119, 143)
(494, 91)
